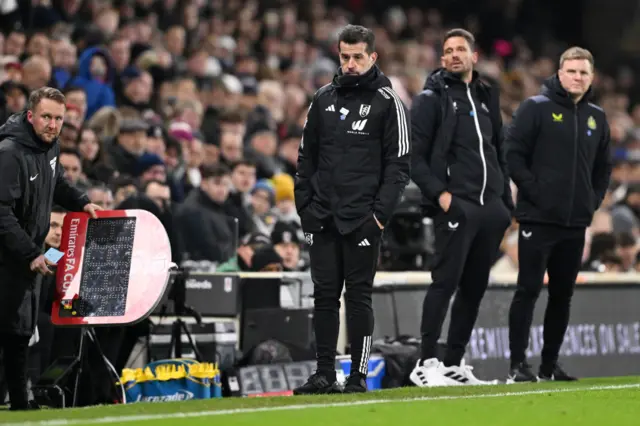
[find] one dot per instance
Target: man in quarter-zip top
(354, 163)
(458, 164)
(558, 154)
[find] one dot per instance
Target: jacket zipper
(484, 161)
(575, 160)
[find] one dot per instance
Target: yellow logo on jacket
(557, 118)
(591, 123)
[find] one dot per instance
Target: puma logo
(453, 225)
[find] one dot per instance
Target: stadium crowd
(194, 110)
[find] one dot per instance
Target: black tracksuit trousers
(348, 260)
(558, 251)
(467, 239)
(14, 357)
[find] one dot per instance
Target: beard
(47, 137)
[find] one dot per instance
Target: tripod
(62, 379)
(178, 296)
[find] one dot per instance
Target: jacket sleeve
(13, 238)
(602, 167)
(307, 158)
(66, 195)
(499, 143)
(396, 162)
(425, 112)
(520, 141)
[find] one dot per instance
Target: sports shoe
(521, 373)
(456, 375)
(29, 406)
(356, 383)
(420, 374)
(318, 384)
(555, 373)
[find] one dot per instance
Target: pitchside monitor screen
(107, 261)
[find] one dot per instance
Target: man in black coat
(354, 163)
(459, 166)
(31, 182)
(558, 154)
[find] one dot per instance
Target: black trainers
(555, 373)
(318, 384)
(356, 383)
(29, 406)
(521, 373)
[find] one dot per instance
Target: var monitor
(114, 269)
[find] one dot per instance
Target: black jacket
(31, 181)
(206, 232)
(354, 157)
(559, 158)
(450, 122)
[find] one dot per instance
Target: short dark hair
(73, 88)
(58, 209)
(354, 34)
(460, 32)
(626, 239)
(45, 93)
(243, 162)
(233, 116)
(214, 171)
(98, 186)
(71, 151)
(121, 181)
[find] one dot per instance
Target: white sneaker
(456, 376)
(422, 371)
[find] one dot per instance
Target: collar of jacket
(552, 88)
(206, 201)
(370, 80)
(440, 79)
(20, 130)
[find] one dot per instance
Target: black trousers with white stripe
(344, 260)
(468, 237)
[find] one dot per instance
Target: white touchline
(149, 417)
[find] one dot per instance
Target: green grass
(562, 404)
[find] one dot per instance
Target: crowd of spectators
(194, 110)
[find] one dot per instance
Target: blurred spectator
(625, 214)
(286, 242)
(262, 202)
(72, 165)
(130, 144)
(627, 251)
(150, 167)
(36, 72)
(242, 261)
(123, 187)
(159, 192)
(102, 196)
(96, 73)
(266, 259)
(285, 207)
(243, 179)
(201, 220)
